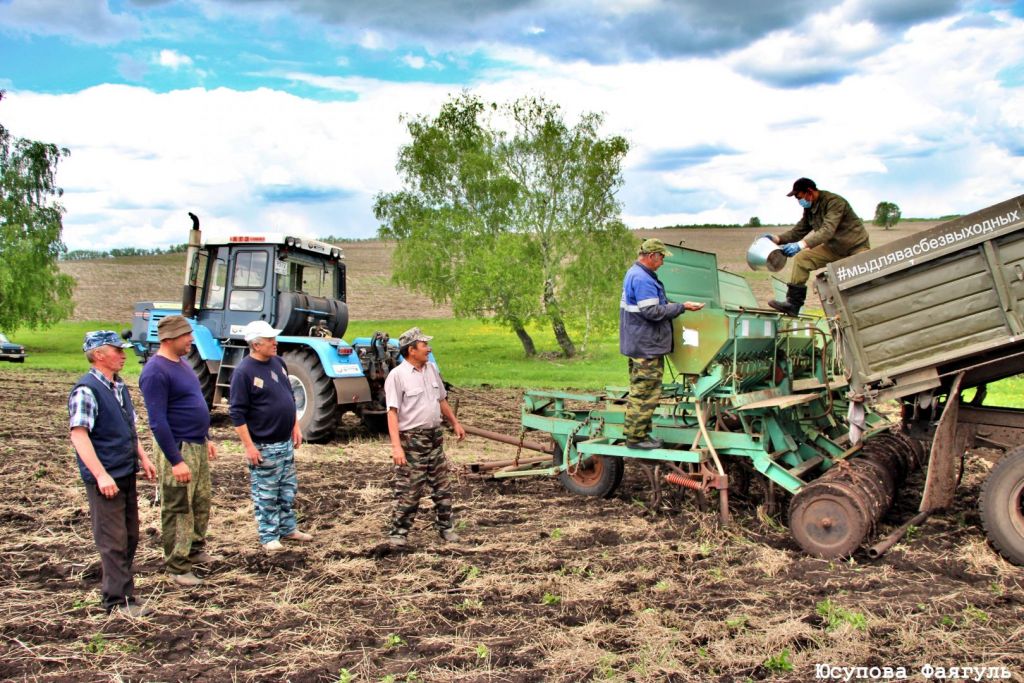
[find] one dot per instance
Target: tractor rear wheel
(1002, 506)
(207, 382)
(599, 475)
(316, 402)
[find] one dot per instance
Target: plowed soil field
(543, 586)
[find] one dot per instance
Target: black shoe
(784, 307)
(796, 295)
(645, 445)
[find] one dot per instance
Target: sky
(287, 115)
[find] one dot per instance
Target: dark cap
(172, 327)
(802, 185)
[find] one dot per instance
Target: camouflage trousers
(273, 484)
(184, 508)
(645, 375)
(426, 468)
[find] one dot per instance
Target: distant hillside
(108, 288)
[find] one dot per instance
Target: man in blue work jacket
(645, 337)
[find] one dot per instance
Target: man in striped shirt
(109, 453)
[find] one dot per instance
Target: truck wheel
(207, 382)
(1002, 506)
(599, 476)
(315, 400)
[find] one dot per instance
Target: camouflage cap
(412, 335)
(94, 340)
(654, 246)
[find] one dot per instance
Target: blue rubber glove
(791, 249)
(767, 234)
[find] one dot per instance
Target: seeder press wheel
(829, 519)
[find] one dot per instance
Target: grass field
(471, 353)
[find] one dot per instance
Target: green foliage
(510, 213)
(393, 640)
(556, 534)
(96, 645)
(550, 599)
(887, 214)
(754, 222)
(835, 616)
(482, 651)
(780, 663)
(345, 676)
(33, 291)
(120, 252)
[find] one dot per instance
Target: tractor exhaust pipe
(192, 275)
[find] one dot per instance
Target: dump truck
(295, 284)
(797, 401)
(928, 317)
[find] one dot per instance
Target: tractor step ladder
(233, 355)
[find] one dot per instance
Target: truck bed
(919, 310)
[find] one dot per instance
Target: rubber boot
(795, 297)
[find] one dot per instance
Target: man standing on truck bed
(828, 231)
(180, 420)
(645, 337)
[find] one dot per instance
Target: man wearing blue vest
(109, 453)
(645, 337)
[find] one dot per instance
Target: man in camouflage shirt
(417, 400)
(828, 231)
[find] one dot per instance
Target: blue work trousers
(273, 484)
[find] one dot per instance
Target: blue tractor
(297, 285)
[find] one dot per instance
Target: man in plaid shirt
(109, 453)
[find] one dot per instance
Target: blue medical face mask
(806, 203)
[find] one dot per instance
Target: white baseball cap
(259, 329)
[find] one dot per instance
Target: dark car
(11, 351)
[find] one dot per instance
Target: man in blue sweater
(645, 337)
(263, 412)
(109, 453)
(180, 420)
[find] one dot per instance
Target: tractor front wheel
(207, 382)
(315, 400)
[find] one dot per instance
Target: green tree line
(118, 252)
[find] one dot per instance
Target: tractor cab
(295, 284)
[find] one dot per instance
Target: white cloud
(922, 122)
(414, 61)
(172, 59)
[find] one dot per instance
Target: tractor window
(250, 269)
(246, 300)
(247, 281)
(197, 273)
(315, 279)
(218, 278)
